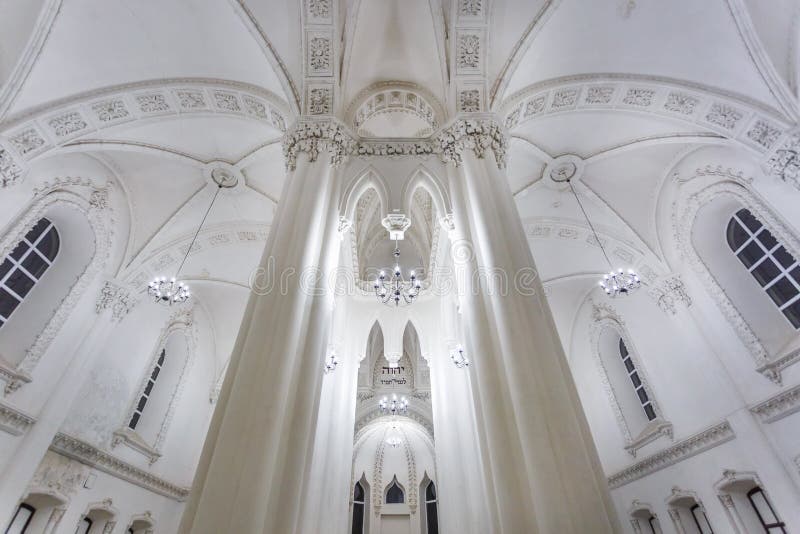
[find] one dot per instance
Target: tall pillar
(539, 462)
(254, 471)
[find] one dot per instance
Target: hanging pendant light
(393, 288)
(617, 282)
(457, 355)
(169, 291)
(394, 406)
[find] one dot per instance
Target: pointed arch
(424, 178)
(366, 179)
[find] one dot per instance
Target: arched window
(358, 509)
(638, 386)
(768, 261)
(700, 520)
(26, 265)
(655, 527)
(21, 520)
(84, 526)
(431, 512)
(148, 390)
(766, 514)
(395, 494)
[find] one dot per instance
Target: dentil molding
(13, 420)
(691, 446)
(778, 406)
(90, 455)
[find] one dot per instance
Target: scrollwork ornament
(478, 135)
(312, 138)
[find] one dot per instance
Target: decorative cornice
(691, 446)
(778, 406)
(478, 135)
(13, 420)
(313, 137)
(136, 442)
(90, 455)
(654, 430)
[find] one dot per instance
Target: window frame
(150, 384)
(81, 523)
(640, 389)
(767, 255)
(767, 526)
(22, 506)
(363, 503)
(697, 507)
(428, 503)
(17, 264)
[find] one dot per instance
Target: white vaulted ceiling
(394, 40)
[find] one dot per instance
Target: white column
(254, 471)
(326, 508)
(541, 466)
(458, 462)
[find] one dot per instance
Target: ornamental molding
(90, 201)
(604, 316)
(180, 322)
(314, 137)
(784, 163)
(703, 441)
(212, 237)
(377, 474)
(668, 292)
(683, 217)
(733, 116)
(778, 406)
(13, 420)
(396, 98)
(411, 463)
(117, 298)
(423, 103)
(27, 136)
(91, 456)
(478, 135)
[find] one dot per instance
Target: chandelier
(617, 282)
(393, 406)
(169, 291)
(458, 357)
(394, 288)
(394, 441)
(331, 362)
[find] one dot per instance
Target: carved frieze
(785, 162)
(477, 135)
(10, 172)
(313, 137)
(700, 442)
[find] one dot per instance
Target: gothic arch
(422, 177)
(366, 179)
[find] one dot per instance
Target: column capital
(479, 134)
(313, 136)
